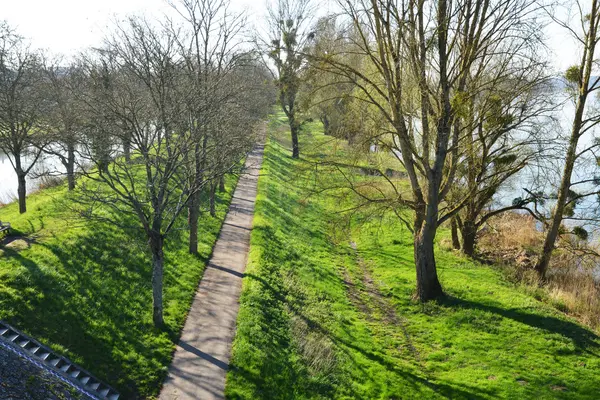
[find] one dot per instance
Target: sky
(67, 26)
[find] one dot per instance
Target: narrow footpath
(201, 360)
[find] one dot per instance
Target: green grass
(319, 319)
(84, 288)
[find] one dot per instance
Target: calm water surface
(8, 177)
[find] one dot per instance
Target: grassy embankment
(84, 288)
(319, 319)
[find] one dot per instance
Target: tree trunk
(469, 235)
(156, 247)
(213, 187)
(542, 265)
(428, 285)
(326, 125)
(295, 146)
(194, 202)
(294, 128)
(127, 149)
(193, 215)
(103, 165)
(571, 156)
(22, 192)
(222, 184)
(71, 166)
(454, 229)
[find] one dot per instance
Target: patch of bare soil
(17, 243)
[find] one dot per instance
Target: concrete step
(71, 372)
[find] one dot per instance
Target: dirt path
(201, 360)
(375, 307)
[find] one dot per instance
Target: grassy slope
(312, 323)
(84, 288)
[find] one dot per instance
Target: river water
(8, 177)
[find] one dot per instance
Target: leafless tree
(584, 120)
(136, 89)
(420, 55)
(210, 47)
(22, 105)
(63, 120)
(289, 32)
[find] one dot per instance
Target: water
(8, 178)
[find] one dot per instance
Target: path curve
(202, 356)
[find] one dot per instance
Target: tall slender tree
(285, 45)
(136, 88)
(580, 75)
(209, 48)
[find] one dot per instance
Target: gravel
(23, 379)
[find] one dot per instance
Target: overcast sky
(67, 26)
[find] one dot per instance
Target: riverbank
(47, 169)
(513, 242)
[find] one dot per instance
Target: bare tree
(210, 50)
(245, 99)
(64, 117)
(21, 106)
(587, 36)
(285, 44)
(137, 88)
(419, 56)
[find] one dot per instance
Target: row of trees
(150, 121)
(461, 93)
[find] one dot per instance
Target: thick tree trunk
(428, 285)
(295, 145)
(294, 128)
(469, 235)
(213, 187)
(222, 184)
(22, 191)
(70, 166)
(454, 229)
(156, 247)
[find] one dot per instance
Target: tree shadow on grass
(344, 345)
(267, 351)
(88, 304)
(276, 301)
(585, 340)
